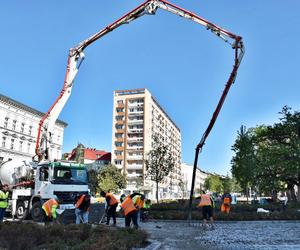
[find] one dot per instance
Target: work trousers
(81, 215)
(111, 212)
(2, 213)
(132, 216)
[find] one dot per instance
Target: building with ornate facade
(19, 128)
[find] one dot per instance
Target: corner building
(137, 116)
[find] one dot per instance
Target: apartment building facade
(19, 128)
(137, 116)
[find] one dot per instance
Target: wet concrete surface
(226, 235)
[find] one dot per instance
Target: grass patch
(17, 236)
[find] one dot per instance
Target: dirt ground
(226, 235)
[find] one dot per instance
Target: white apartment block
(19, 128)
(187, 174)
(137, 116)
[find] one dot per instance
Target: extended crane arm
(76, 57)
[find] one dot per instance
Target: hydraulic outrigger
(76, 57)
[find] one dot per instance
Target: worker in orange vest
(226, 202)
(207, 205)
(82, 208)
(49, 208)
(111, 207)
(129, 209)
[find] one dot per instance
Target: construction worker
(49, 208)
(129, 209)
(3, 201)
(207, 204)
(226, 202)
(111, 206)
(82, 208)
(145, 210)
(139, 201)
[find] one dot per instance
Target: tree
(110, 178)
(244, 161)
(268, 157)
(93, 180)
(213, 183)
(227, 184)
(159, 162)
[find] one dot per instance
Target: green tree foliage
(213, 183)
(110, 178)
(268, 157)
(93, 181)
(160, 162)
(244, 159)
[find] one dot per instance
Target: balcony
(120, 122)
(119, 139)
(120, 105)
(119, 157)
(135, 130)
(135, 167)
(134, 157)
(121, 131)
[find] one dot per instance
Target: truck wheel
(36, 212)
(21, 210)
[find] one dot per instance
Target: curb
(154, 245)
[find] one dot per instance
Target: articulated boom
(76, 57)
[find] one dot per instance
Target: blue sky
(184, 66)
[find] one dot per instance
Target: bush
(178, 210)
(32, 236)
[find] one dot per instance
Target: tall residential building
(19, 127)
(137, 116)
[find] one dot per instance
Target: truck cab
(64, 180)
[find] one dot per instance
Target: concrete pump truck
(45, 178)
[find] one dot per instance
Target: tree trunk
(298, 192)
(157, 191)
(292, 192)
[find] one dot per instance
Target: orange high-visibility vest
(205, 200)
(226, 201)
(80, 200)
(47, 206)
(128, 205)
(139, 202)
(113, 200)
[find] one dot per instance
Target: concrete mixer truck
(33, 183)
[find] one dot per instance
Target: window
(22, 127)
(118, 162)
(119, 144)
(131, 110)
(5, 122)
(118, 126)
(3, 142)
(120, 101)
(30, 130)
(120, 109)
(14, 125)
(21, 146)
(44, 174)
(12, 144)
(119, 117)
(28, 147)
(119, 135)
(119, 152)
